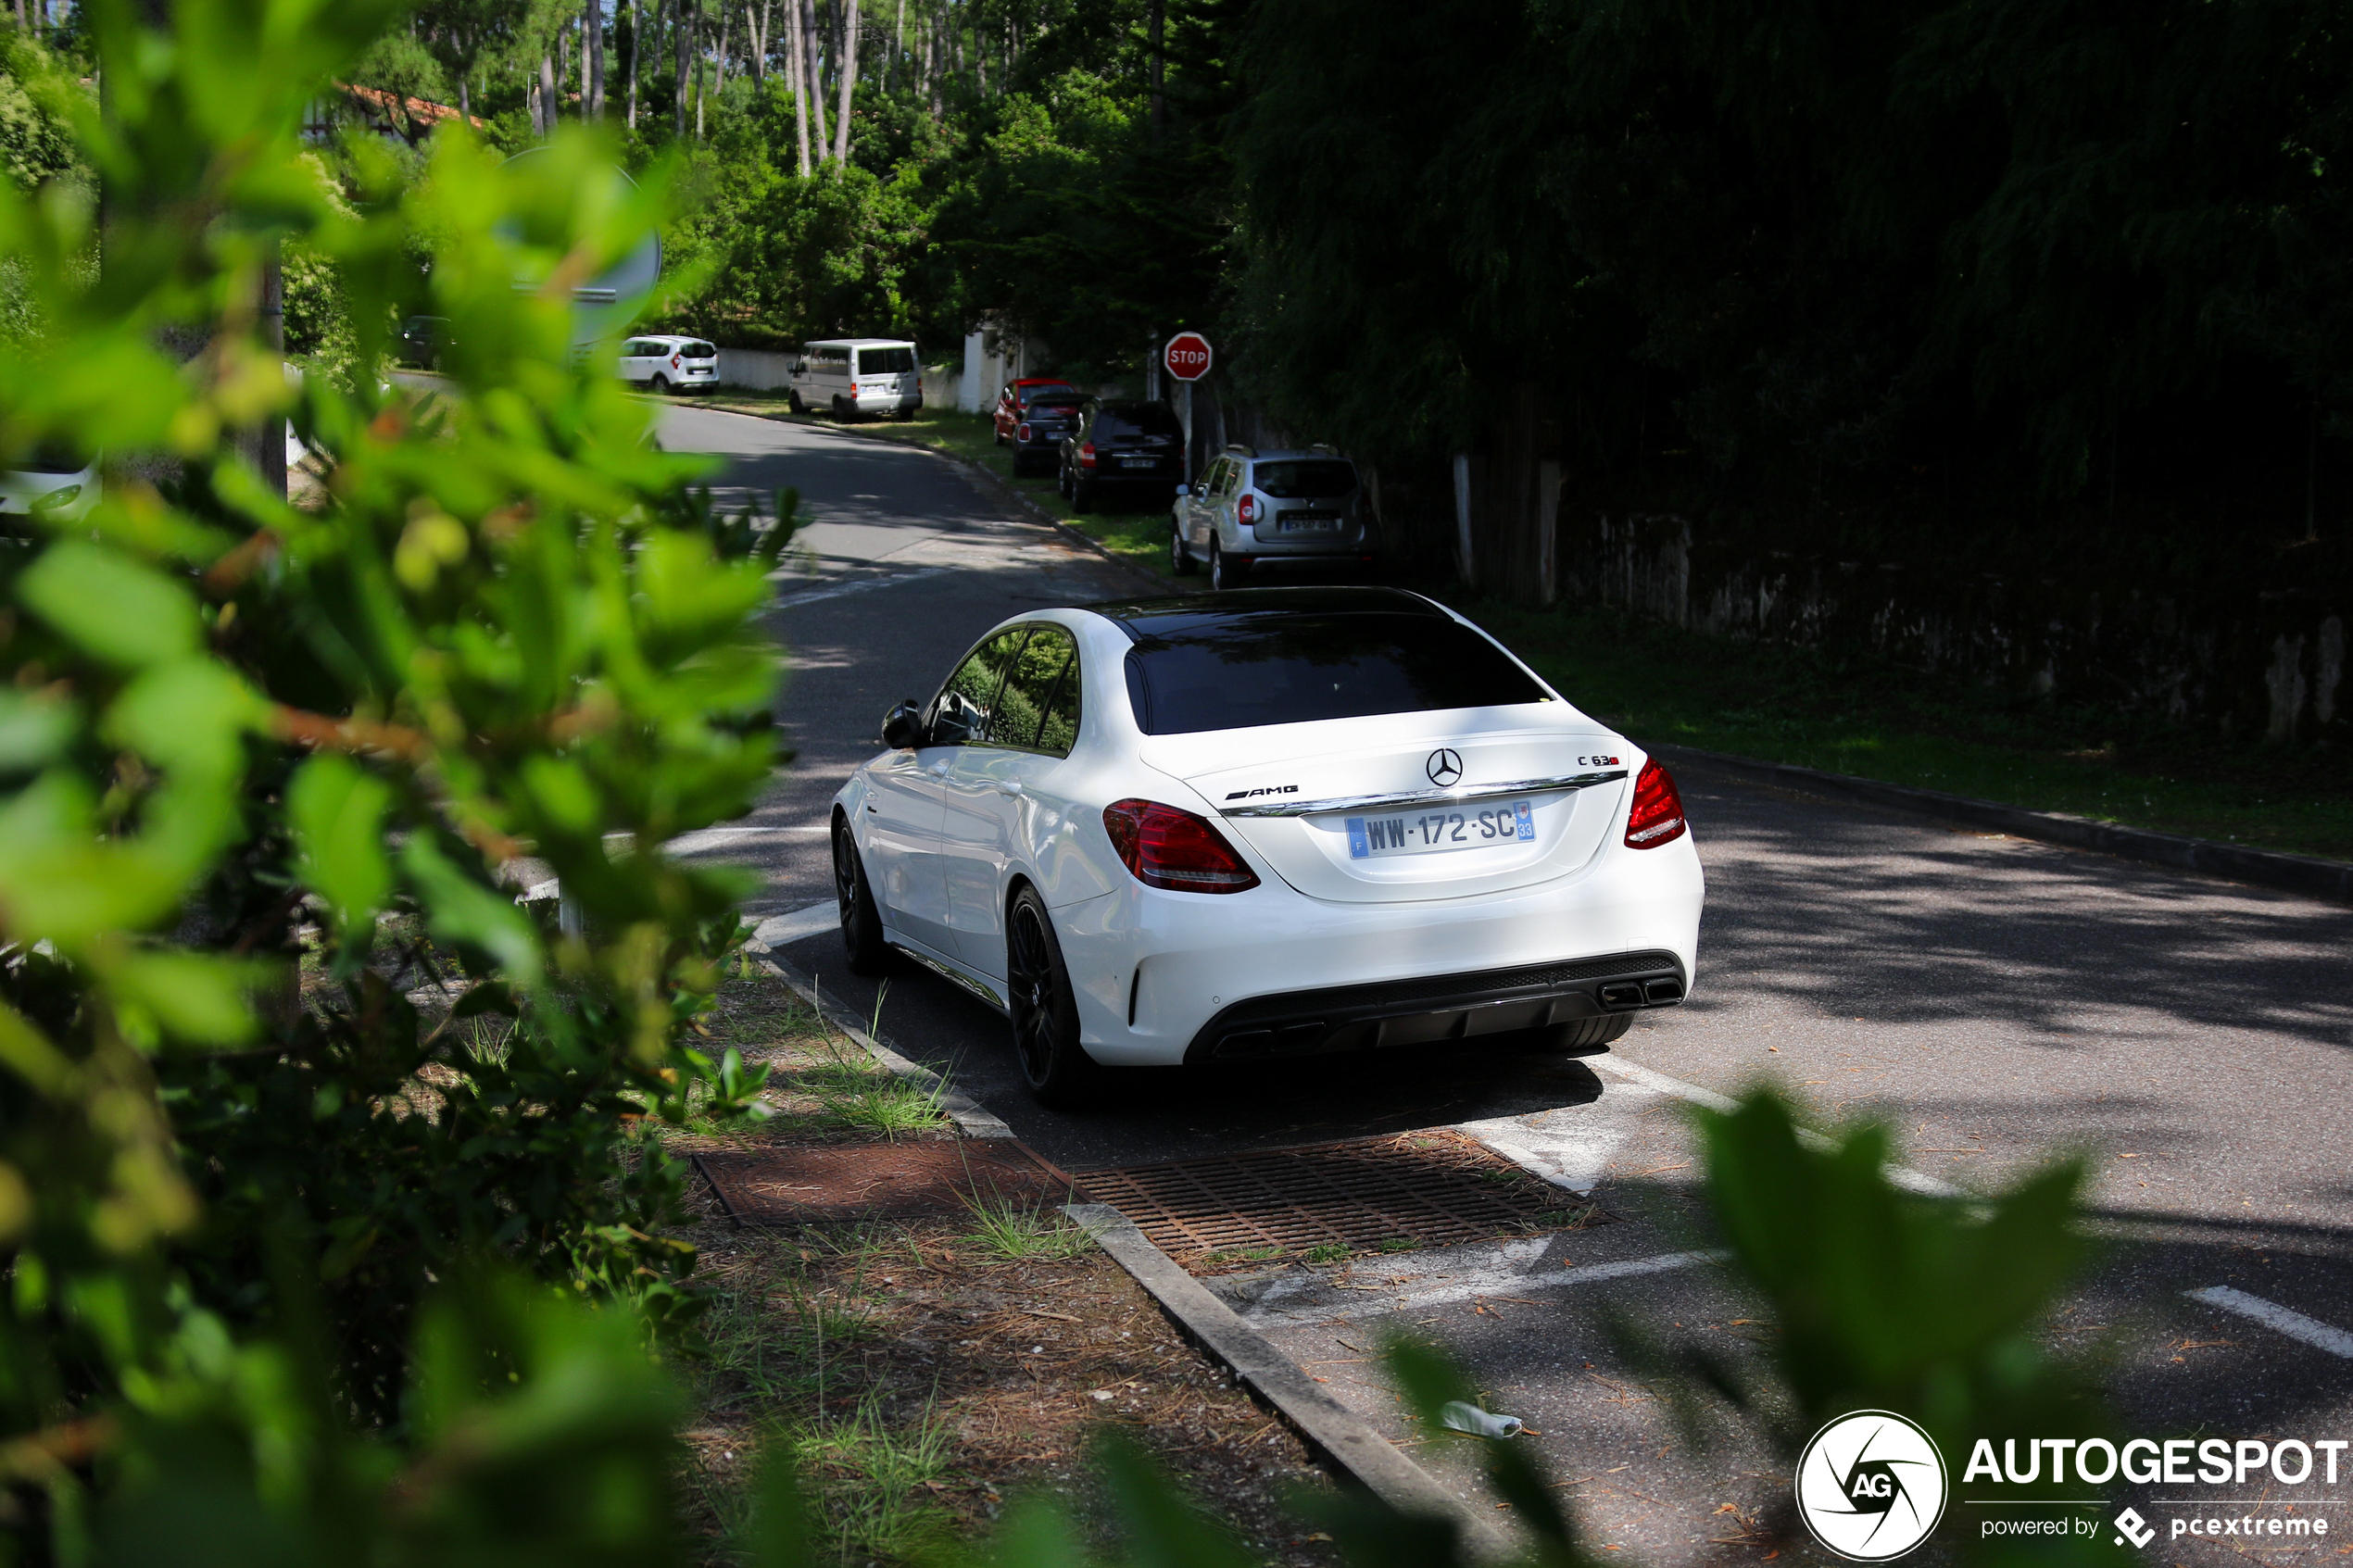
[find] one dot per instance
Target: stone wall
(2264, 666)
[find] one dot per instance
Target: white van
(848, 376)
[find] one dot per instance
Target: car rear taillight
(1087, 455)
(1657, 817)
(1249, 508)
(1024, 431)
(1169, 848)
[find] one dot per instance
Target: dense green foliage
(270, 773)
(1881, 267)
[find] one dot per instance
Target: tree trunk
(796, 65)
(1155, 17)
(593, 23)
(465, 97)
(756, 29)
(636, 26)
(683, 33)
(848, 68)
(816, 75)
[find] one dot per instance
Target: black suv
(1038, 436)
(1122, 443)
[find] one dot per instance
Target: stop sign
(1187, 356)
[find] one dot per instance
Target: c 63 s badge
(1871, 1486)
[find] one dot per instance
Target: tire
(660, 386)
(1062, 479)
(1082, 497)
(1580, 1037)
(997, 435)
(1181, 554)
(1222, 573)
(1055, 1068)
(839, 416)
(861, 931)
(792, 401)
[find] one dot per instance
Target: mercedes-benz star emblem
(1445, 767)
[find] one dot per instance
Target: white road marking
(778, 930)
(1570, 1146)
(1508, 1274)
(859, 585)
(1659, 1083)
(719, 838)
(2272, 1315)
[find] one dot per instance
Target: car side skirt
(1439, 1007)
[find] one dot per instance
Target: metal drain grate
(1368, 1194)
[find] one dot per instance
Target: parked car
(1013, 401)
(666, 363)
(1038, 435)
(1277, 824)
(48, 487)
(422, 341)
(1250, 506)
(853, 376)
(1120, 444)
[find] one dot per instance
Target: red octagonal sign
(1187, 356)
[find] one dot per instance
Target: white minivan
(667, 363)
(848, 376)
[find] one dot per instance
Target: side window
(1228, 483)
(1213, 481)
(1028, 712)
(968, 701)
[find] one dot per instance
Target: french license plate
(1437, 830)
(1307, 523)
(1139, 462)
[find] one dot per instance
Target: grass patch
(1139, 535)
(1013, 1232)
(1878, 721)
(870, 1474)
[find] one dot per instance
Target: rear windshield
(1057, 402)
(696, 350)
(1137, 418)
(1316, 479)
(885, 361)
(1290, 668)
(1057, 393)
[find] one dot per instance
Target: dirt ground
(928, 1373)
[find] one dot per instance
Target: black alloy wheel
(862, 931)
(1222, 573)
(1181, 554)
(1054, 1067)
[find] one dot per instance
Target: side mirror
(1184, 490)
(903, 727)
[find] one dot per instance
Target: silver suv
(1252, 507)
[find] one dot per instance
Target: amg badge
(1270, 789)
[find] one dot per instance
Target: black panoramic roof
(1200, 612)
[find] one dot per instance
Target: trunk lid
(1459, 839)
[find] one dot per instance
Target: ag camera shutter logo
(1871, 1486)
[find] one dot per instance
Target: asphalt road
(1996, 1002)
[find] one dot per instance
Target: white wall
(759, 370)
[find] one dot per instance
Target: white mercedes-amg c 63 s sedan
(1264, 824)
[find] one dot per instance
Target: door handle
(1009, 789)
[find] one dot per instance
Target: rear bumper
(1436, 1008)
(1159, 975)
(886, 402)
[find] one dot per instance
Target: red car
(1013, 401)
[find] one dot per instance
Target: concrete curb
(973, 1119)
(996, 484)
(1347, 1442)
(2261, 868)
